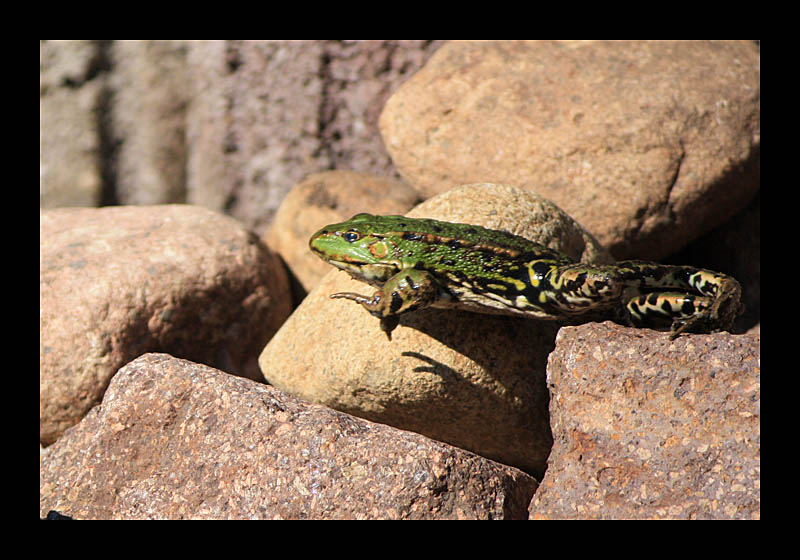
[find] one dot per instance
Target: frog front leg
(406, 291)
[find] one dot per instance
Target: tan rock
(473, 380)
(647, 144)
(118, 282)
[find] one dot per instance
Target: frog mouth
(372, 273)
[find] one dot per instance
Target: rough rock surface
(178, 440)
(271, 112)
(648, 428)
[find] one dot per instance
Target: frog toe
(388, 324)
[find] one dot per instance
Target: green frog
(418, 263)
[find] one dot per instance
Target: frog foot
(376, 305)
(719, 316)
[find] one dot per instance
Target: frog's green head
(357, 246)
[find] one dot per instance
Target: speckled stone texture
(178, 440)
(648, 428)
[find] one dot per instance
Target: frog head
(357, 246)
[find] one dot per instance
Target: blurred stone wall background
(229, 125)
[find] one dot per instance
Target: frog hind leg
(719, 315)
(712, 308)
(406, 291)
(677, 310)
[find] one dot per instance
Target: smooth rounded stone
(648, 144)
(472, 380)
(118, 282)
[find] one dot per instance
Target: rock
(178, 440)
(326, 198)
(648, 144)
(118, 282)
(228, 125)
(648, 428)
(472, 380)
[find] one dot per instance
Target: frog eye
(351, 236)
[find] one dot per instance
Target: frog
(419, 263)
